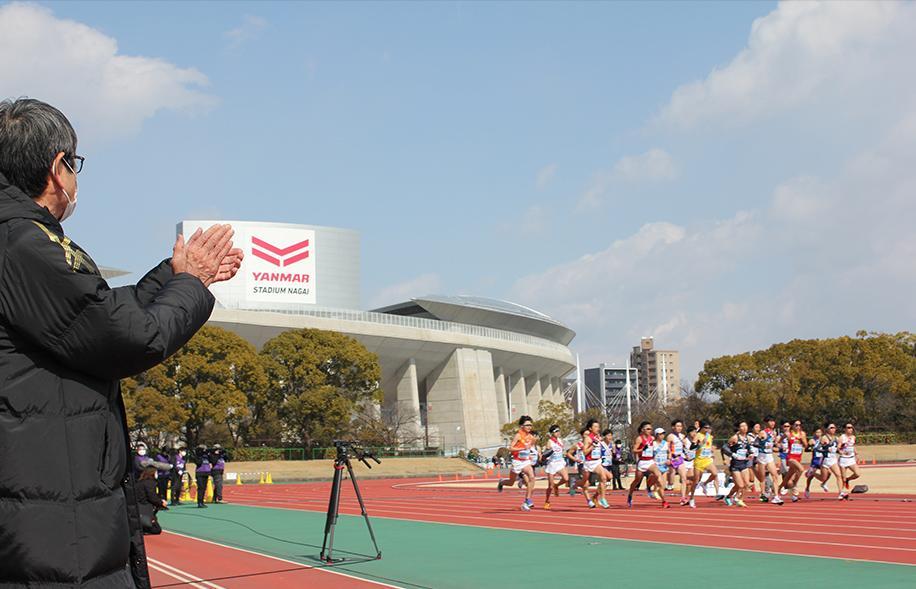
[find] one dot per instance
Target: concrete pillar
(558, 390)
(461, 401)
(547, 389)
(533, 393)
(407, 409)
(502, 403)
(518, 402)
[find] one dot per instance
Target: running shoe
(720, 497)
(521, 481)
(530, 502)
(740, 503)
(658, 496)
(794, 498)
(825, 488)
(843, 496)
(630, 500)
(692, 504)
(665, 504)
(603, 503)
(547, 506)
(683, 502)
(669, 487)
(499, 486)
(776, 500)
(807, 494)
(783, 491)
(728, 501)
(650, 495)
(764, 498)
(526, 507)
(591, 504)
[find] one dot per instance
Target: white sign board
(279, 264)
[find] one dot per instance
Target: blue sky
(668, 169)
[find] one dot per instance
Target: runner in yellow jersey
(704, 462)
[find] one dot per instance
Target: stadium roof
(486, 312)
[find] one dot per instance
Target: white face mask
(71, 204)
(141, 451)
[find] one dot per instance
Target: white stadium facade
(454, 368)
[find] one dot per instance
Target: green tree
(319, 379)
(870, 379)
(212, 378)
(151, 416)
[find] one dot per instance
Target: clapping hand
(208, 255)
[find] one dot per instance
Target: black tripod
(344, 449)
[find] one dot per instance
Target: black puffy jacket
(68, 513)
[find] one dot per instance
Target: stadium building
(454, 368)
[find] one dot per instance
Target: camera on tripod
(347, 449)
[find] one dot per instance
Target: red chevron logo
(279, 256)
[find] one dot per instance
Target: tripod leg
(362, 508)
(333, 510)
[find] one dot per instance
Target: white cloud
(651, 166)
(830, 253)
(804, 54)
(655, 164)
(251, 28)
(415, 287)
(79, 70)
(545, 176)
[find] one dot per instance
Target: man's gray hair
(32, 133)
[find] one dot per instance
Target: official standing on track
(68, 510)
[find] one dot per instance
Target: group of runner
(759, 459)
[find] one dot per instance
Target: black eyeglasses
(76, 163)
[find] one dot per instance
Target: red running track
(879, 528)
(180, 561)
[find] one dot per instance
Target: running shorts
(592, 465)
(830, 461)
(688, 464)
(701, 464)
(738, 465)
(846, 461)
(816, 461)
(643, 465)
(663, 468)
(677, 462)
(519, 465)
(795, 457)
(555, 466)
(765, 458)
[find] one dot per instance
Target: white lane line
(298, 564)
(186, 580)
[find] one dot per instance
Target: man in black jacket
(68, 511)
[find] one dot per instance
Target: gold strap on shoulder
(73, 257)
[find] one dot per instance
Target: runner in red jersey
(644, 450)
(796, 442)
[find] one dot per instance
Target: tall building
(607, 389)
(659, 371)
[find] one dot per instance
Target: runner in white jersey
(766, 463)
(591, 447)
(847, 451)
(676, 441)
(752, 439)
(556, 464)
(831, 444)
(690, 454)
